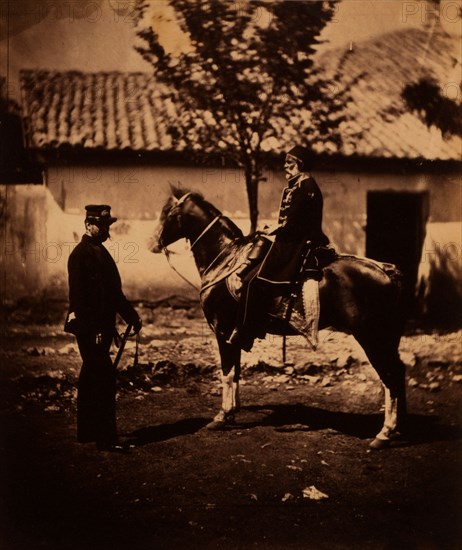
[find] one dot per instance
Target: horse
(357, 295)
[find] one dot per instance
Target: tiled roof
(115, 111)
(375, 73)
(111, 111)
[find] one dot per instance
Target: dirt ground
(294, 473)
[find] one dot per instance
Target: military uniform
(300, 221)
(299, 230)
(95, 297)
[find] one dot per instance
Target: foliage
(244, 83)
(15, 164)
(433, 107)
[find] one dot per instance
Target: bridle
(174, 211)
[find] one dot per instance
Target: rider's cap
(99, 213)
(303, 155)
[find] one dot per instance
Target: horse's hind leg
(230, 355)
(384, 357)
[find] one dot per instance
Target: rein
(205, 231)
(167, 255)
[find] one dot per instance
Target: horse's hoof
(395, 439)
(221, 421)
(379, 444)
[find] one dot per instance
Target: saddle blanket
(304, 316)
(310, 295)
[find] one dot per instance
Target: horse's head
(171, 222)
(187, 215)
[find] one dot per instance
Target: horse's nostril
(154, 246)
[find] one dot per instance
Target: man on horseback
(359, 296)
(291, 257)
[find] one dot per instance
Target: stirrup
(233, 337)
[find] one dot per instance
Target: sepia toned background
(84, 119)
(91, 126)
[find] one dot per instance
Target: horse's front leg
(230, 355)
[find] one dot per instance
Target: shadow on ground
(297, 417)
(163, 432)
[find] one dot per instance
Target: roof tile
(97, 110)
(117, 111)
(375, 74)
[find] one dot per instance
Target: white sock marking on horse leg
(391, 416)
(236, 396)
(228, 401)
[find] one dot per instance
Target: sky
(98, 35)
(359, 20)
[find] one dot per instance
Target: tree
(433, 107)
(16, 163)
(427, 98)
(245, 85)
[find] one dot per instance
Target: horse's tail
(398, 294)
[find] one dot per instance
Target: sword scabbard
(122, 345)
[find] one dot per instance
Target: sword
(123, 341)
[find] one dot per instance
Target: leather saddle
(295, 305)
(319, 257)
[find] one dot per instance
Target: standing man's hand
(137, 324)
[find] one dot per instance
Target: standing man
(95, 297)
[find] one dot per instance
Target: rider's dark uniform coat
(95, 296)
(300, 220)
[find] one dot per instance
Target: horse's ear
(176, 190)
(172, 194)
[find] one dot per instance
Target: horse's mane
(179, 191)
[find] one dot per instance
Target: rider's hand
(270, 230)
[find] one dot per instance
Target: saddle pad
(225, 270)
(310, 294)
(234, 285)
(304, 317)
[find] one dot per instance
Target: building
(104, 137)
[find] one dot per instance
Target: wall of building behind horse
(48, 220)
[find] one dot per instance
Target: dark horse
(357, 295)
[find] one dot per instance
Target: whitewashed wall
(38, 234)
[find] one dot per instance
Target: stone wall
(37, 238)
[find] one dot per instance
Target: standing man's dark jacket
(95, 290)
(300, 220)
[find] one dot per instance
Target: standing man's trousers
(96, 420)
